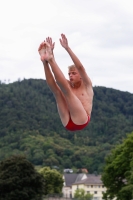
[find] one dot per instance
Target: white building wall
(96, 190)
(67, 192)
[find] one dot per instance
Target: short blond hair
(71, 67)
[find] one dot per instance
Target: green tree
(53, 180)
(118, 172)
(20, 180)
(81, 195)
(30, 125)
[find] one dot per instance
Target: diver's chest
(81, 94)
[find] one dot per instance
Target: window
(95, 192)
(91, 186)
(70, 195)
(88, 191)
(88, 186)
(99, 186)
(102, 186)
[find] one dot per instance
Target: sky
(100, 33)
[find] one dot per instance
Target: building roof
(92, 179)
(72, 178)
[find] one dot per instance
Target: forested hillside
(30, 125)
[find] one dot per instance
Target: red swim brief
(74, 127)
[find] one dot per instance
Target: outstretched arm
(78, 64)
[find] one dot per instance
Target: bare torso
(85, 94)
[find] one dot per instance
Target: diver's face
(74, 76)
